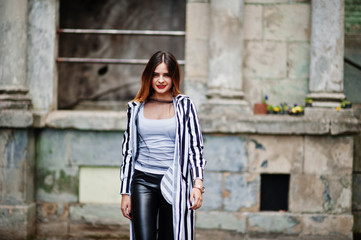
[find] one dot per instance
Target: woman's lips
(160, 86)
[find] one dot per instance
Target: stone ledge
(259, 124)
(97, 214)
(278, 224)
(274, 124)
(16, 118)
(82, 120)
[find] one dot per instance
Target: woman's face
(162, 82)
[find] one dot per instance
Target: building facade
(267, 176)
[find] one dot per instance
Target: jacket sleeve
(126, 167)
(196, 158)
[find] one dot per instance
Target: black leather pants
(146, 202)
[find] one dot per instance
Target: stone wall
(320, 171)
(276, 50)
(320, 185)
(356, 181)
(352, 90)
(65, 206)
(17, 170)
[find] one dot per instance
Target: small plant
(261, 108)
(285, 108)
(265, 99)
(346, 104)
(269, 109)
(296, 110)
(308, 102)
(276, 109)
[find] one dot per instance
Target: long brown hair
(146, 89)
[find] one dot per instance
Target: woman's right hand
(126, 206)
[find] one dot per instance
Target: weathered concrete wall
(13, 28)
(327, 46)
(17, 165)
(64, 209)
(13, 49)
(319, 196)
(276, 50)
(196, 50)
(356, 183)
(41, 52)
(352, 88)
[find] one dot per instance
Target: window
(103, 46)
(274, 192)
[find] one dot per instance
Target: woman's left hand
(196, 198)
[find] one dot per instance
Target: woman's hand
(196, 195)
(126, 206)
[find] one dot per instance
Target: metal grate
(115, 32)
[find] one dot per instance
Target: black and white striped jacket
(188, 163)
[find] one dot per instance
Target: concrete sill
(82, 120)
(280, 124)
(261, 124)
(16, 118)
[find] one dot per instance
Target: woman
(162, 170)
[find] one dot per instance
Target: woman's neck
(165, 97)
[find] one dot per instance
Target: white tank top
(156, 143)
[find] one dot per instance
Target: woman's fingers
(126, 213)
(126, 206)
(196, 199)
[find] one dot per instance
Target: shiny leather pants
(147, 202)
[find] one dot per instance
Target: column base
(225, 93)
(320, 112)
(17, 222)
(326, 104)
(226, 106)
(14, 97)
(14, 101)
(326, 100)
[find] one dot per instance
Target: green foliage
(308, 100)
(345, 104)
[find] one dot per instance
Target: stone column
(327, 48)
(225, 92)
(17, 203)
(196, 50)
(42, 50)
(17, 144)
(13, 47)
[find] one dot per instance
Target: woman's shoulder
(182, 97)
(133, 103)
